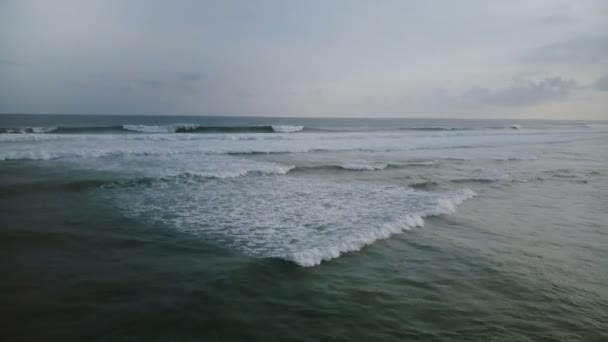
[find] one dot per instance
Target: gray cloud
(175, 80)
(552, 20)
(523, 93)
(151, 83)
(583, 50)
(190, 76)
(316, 57)
(601, 84)
(12, 63)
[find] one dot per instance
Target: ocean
(173, 228)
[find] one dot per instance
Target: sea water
(228, 228)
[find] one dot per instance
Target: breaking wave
(347, 167)
(306, 221)
(171, 128)
(441, 128)
(198, 128)
(444, 204)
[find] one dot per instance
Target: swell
(364, 166)
(90, 184)
(346, 167)
(440, 128)
(62, 130)
(203, 129)
(189, 176)
(52, 186)
(171, 128)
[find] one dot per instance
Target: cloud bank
(523, 59)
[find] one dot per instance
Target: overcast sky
(485, 59)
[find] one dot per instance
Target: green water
(525, 260)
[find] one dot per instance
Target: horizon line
(308, 117)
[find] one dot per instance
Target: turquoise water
(400, 229)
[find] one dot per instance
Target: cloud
(601, 84)
(554, 20)
(523, 92)
(151, 83)
(318, 58)
(190, 76)
(171, 80)
(582, 50)
(12, 63)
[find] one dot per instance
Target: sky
(528, 59)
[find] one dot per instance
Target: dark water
(342, 230)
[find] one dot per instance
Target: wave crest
(446, 204)
(170, 128)
(286, 129)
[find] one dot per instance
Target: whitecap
(306, 221)
(286, 129)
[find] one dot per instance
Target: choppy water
(210, 228)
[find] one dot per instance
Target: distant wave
(365, 166)
(441, 128)
(498, 178)
(434, 129)
(346, 167)
(27, 130)
(100, 153)
(198, 128)
(424, 185)
(89, 184)
(171, 128)
(286, 129)
(195, 128)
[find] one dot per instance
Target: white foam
(362, 166)
(53, 146)
(43, 129)
(446, 204)
(305, 220)
(422, 163)
(286, 129)
(172, 128)
(38, 130)
(150, 129)
(176, 166)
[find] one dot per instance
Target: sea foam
(58, 146)
(286, 129)
(304, 220)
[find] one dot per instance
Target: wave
(497, 178)
(441, 128)
(445, 204)
(42, 187)
(302, 220)
(433, 129)
(367, 166)
(171, 128)
(421, 163)
(100, 153)
(424, 185)
(121, 182)
(196, 128)
(199, 128)
(286, 129)
(25, 130)
(346, 167)
(275, 170)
